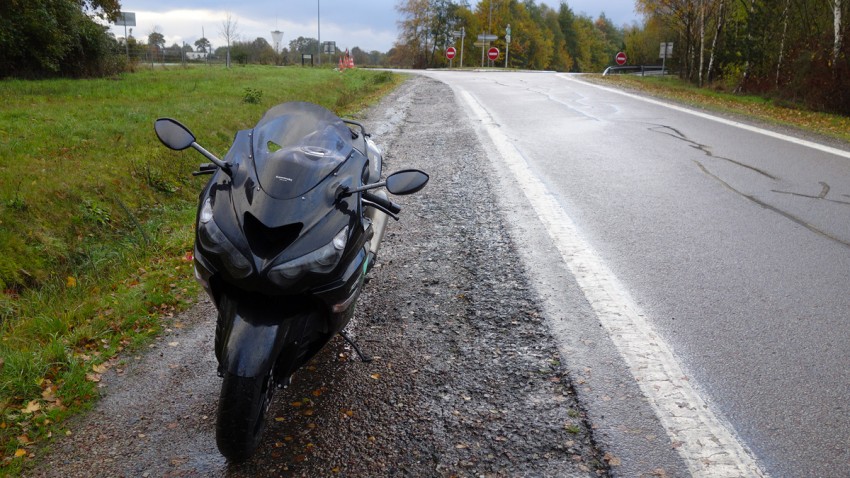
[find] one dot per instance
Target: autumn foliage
(791, 50)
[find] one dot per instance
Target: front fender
(251, 337)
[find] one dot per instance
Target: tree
(301, 46)
(202, 45)
(230, 32)
(56, 38)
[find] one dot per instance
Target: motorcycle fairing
(249, 215)
(296, 145)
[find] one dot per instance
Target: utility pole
(319, 23)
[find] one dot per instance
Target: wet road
(731, 244)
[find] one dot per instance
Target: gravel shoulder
(466, 380)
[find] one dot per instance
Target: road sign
(482, 44)
(487, 37)
(451, 52)
(666, 50)
(127, 19)
(493, 53)
(621, 58)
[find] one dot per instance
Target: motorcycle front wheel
(242, 409)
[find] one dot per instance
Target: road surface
(715, 256)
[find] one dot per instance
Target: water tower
(277, 36)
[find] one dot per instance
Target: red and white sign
(621, 58)
(493, 53)
(451, 52)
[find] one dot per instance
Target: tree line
(793, 50)
(541, 37)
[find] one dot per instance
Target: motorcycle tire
(242, 409)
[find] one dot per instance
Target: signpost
(621, 58)
(484, 42)
(665, 52)
(462, 35)
(128, 19)
(507, 43)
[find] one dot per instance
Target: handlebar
(385, 203)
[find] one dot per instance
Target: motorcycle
(288, 226)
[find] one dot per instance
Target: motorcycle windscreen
(296, 146)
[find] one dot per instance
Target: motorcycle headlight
(214, 241)
(322, 260)
(206, 212)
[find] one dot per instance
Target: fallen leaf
(612, 460)
(375, 376)
(173, 344)
(278, 419)
(102, 368)
(93, 377)
(32, 407)
(308, 412)
(20, 452)
(70, 282)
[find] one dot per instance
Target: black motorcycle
(287, 229)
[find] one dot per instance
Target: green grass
(760, 108)
(96, 219)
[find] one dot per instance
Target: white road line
(706, 442)
(728, 122)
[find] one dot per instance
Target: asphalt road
(731, 246)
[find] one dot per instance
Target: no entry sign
(451, 52)
(621, 58)
(493, 53)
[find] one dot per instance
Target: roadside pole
(507, 44)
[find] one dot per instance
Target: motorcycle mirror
(173, 134)
(407, 181)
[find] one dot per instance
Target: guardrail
(635, 69)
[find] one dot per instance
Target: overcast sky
(368, 24)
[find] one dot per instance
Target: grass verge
(96, 220)
(768, 110)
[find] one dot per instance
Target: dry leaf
(32, 407)
(20, 452)
(70, 282)
(102, 368)
(375, 376)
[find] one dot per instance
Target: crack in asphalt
(769, 207)
(675, 133)
(706, 149)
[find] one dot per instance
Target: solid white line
(706, 443)
(728, 122)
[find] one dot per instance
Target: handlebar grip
(386, 203)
